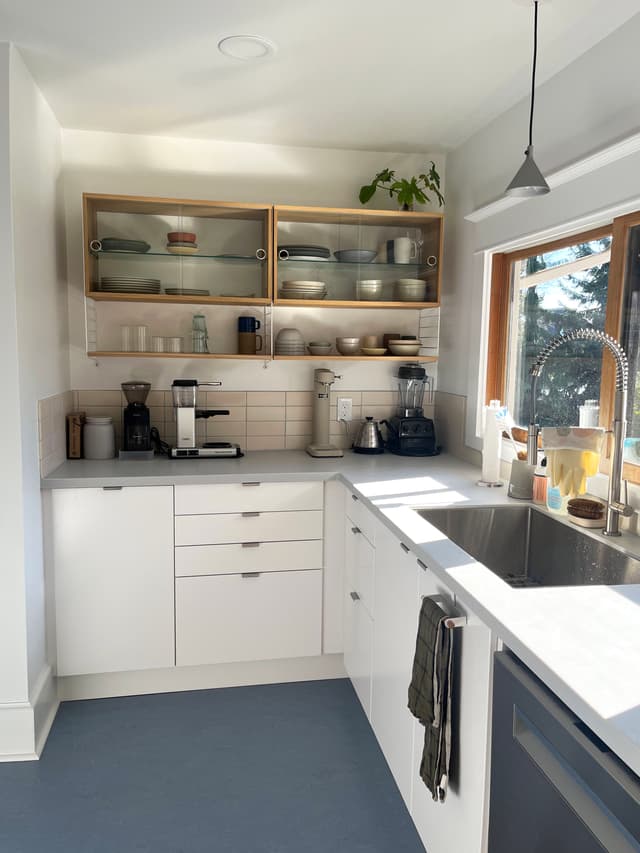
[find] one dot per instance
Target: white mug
(404, 250)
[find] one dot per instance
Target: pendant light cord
(533, 72)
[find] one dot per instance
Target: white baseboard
(175, 679)
(45, 705)
(24, 726)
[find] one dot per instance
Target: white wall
(13, 648)
(34, 358)
(591, 103)
(188, 168)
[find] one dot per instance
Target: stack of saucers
(303, 290)
(129, 284)
(289, 342)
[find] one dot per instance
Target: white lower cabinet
(396, 621)
(460, 823)
(113, 577)
(227, 618)
(358, 610)
(249, 572)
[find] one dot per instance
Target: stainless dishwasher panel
(554, 785)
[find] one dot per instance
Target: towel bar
(450, 621)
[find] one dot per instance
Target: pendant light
(529, 180)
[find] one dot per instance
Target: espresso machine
(320, 445)
(185, 392)
(136, 426)
(409, 432)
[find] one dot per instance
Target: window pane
(540, 312)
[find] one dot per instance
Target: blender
(136, 433)
(410, 433)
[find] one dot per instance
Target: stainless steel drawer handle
(250, 574)
(355, 530)
(251, 484)
(404, 548)
(250, 544)
(250, 514)
(354, 596)
(422, 565)
(112, 488)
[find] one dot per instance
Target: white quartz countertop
(583, 642)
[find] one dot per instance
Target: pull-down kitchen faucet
(615, 508)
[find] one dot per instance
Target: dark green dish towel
(430, 695)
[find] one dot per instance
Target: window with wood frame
(589, 279)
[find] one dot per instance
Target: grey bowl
(355, 256)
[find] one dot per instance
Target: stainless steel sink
(526, 547)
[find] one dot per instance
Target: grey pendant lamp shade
(529, 180)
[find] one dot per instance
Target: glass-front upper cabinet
(164, 250)
(333, 257)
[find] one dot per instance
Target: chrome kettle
(369, 439)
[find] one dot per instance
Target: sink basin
(526, 547)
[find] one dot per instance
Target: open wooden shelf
(99, 296)
(351, 303)
(114, 354)
(338, 357)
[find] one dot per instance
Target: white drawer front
(257, 557)
(225, 618)
(361, 517)
(258, 527)
(247, 497)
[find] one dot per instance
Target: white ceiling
(410, 75)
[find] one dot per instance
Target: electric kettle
(369, 439)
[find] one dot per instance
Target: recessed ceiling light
(246, 47)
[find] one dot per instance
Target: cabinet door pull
(251, 484)
(250, 574)
(354, 497)
(112, 488)
(250, 544)
(250, 514)
(354, 596)
(404, 547)
(355, 530)
(422, 565)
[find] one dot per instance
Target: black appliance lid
(411, 371)
(185, 383)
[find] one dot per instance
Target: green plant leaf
(367, 192)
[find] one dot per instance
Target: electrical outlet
(345, 409)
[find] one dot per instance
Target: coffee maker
(136, 432)
(185, 392)
(410, 433)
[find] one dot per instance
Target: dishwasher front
(555, 786)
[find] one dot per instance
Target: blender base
(324, 451)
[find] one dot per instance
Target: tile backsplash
(257, 420)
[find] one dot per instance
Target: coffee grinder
(410, 433)
(136, 432)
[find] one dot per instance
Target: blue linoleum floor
(285, 768)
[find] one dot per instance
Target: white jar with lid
(99, 438)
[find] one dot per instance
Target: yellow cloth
(569, 470)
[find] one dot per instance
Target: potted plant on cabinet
(409, 191)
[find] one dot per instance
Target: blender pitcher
(411, 386)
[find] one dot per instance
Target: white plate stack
(289, 342)
(303, 290)
(129, 284)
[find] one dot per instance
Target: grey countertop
(584, 642)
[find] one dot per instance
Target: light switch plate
(345, 409)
